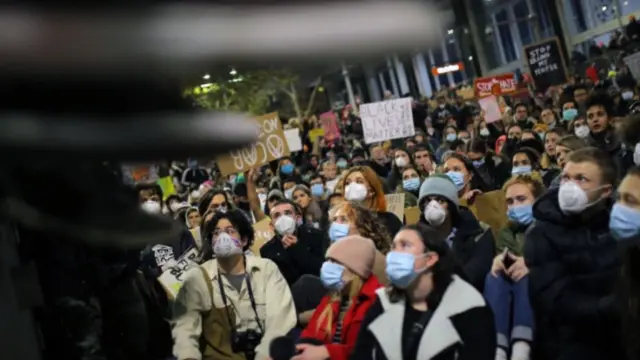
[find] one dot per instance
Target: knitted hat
(439, 185)
(354, 252)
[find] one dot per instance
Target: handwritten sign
(330, 126)
(412, 215)
(263, 233)
(546, 64)
(293, 139)
(502, 84)
(395, 204)
(387, 120)
(491, 109)
(271, 145)
(173, 277)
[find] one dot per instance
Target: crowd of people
(344, 278)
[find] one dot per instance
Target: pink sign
(330, 126)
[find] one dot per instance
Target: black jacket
(573, 267)
(305, 257)
(474, 246)
(610, 142)
(461, 327)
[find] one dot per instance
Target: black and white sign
(546, 64)
(387, 120)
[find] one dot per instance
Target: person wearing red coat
(335, 324)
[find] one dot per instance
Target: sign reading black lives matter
(546, 64)
(387, 120)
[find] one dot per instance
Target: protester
(411, 181)
(311, 210)
(426, 296)
(347, 275)
(362, 185)
(210, 306)
(470, 241)
(506, 287)
(573, 263)
(297, 246)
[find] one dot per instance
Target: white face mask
(572, 199)
(627, 95)
(401, 162)
(484, 132)
(174, 206)
(355, 192)
(225, 246)
(636, 154)
(285, 225)
(151, 207)
(581, 131)
(434, 213)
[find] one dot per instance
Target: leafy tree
(252, 91)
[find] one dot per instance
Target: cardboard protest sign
(293, 139)
(412, 215)
(490, 208)
(387, 120)
(395, 204)
(271, 145)
(173, 276)
(491, 109)
(499, 85)
(546, 64)
(263, 233)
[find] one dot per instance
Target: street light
(206, 77)
(233, 72)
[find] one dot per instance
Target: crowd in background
(524, 247)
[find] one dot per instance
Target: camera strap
(247, 278)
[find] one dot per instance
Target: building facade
(485, 37)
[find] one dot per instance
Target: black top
(414, 324)
(391, 222)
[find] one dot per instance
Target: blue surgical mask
(569, 114)
(478, 163)
(287, 169)
(458, 179)
(401, 269)
(342, 164)
(521, 214)
(451, 137)
(627, 95)
(288, 194)
(624, 222)
(331, 275)
(337, 231)
(411, 184)
(521, 170)
(317, 190)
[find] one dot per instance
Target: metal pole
(619, 13)
(347, 84)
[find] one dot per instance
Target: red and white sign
(503, 84)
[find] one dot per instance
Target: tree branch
(312, 98)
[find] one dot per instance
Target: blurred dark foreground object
(88, 87)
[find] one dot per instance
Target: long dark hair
(442, 271)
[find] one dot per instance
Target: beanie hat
(439, 185)
(355, 252)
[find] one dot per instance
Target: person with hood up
(471, 242)
(335, 324)
(574, 263)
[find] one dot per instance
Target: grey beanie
(439, 185)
